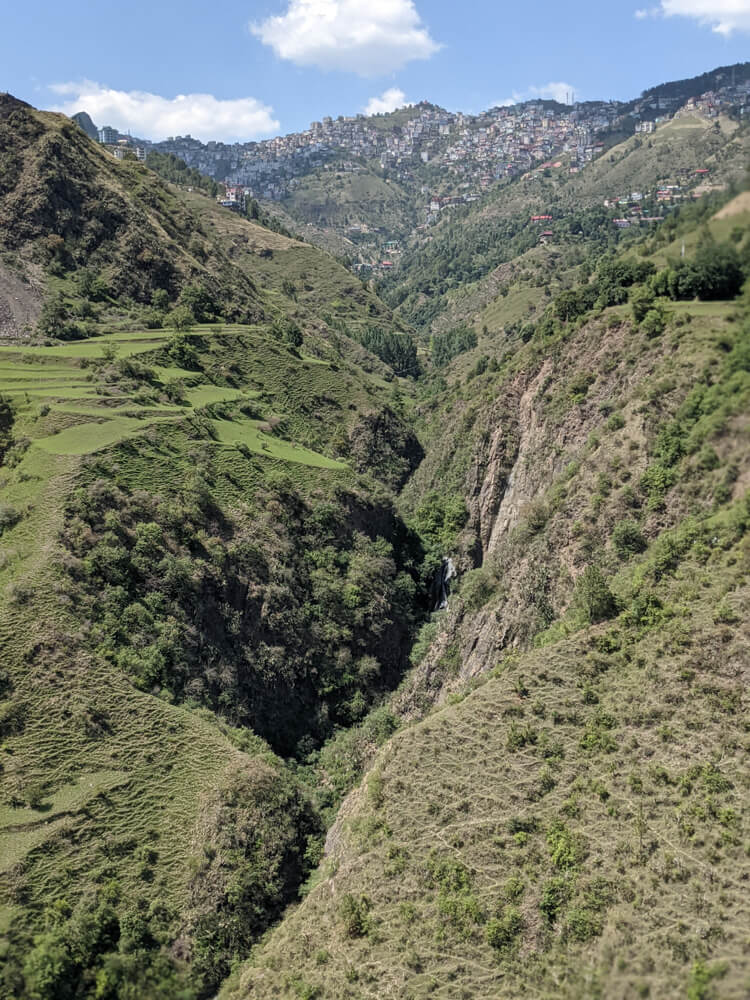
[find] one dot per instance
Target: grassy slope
(339, 200)
(104, 784)
(574, 826)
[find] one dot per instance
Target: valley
(242, 756)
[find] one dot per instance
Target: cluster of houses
(120, 146)
(470, 150)
(634, 207)
(450, 156)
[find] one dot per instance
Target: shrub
(503, 930)
(354, 913)
(565, 848)
(477, 587)
(653, 323)
(555, 894)
(152, 319)
(9, 517)
(592, 596)
(423, 642)
(160, 300)
(642, 300)
(580, 386)
(656, 481)
(701, 978)
(627, 539)
(582, 924)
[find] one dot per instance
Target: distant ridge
(83, 119)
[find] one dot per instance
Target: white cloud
(722, 16)
(153, 117)
(389, 100)
(367, 37)
(561, 92)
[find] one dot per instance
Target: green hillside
(458, 270)
(338, 199)
(568, 818)
(241, 753)
(199, 571)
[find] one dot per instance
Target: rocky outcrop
(20, 303)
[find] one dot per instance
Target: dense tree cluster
(290, 629)
(397, 350)
(175, 170)
(715, 272)
(451, 343)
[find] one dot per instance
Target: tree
(199, 301)
(50, 971)
(642, 299)
(92, 284)
(53, 317)
(181, 351)
(592, 596)
(180, 319)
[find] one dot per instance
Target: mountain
(561, 811)
(362, 183)
(84, 120)
(370, 639)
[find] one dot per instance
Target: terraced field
(41, 388)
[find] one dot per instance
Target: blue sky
(255, 69)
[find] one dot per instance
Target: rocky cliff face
(556, 463)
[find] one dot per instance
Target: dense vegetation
(397, 350)
(173, 169)
(291, 628)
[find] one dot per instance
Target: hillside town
(445, 159)
(455, 155)
(478, 149)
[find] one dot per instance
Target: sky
(251, 70)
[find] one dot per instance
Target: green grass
(90, 349)
(86, 438)
(22, 828)
(204, 395)
(248, 433)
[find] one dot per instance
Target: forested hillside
(479, 251)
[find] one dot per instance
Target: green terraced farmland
(249, 434)
(86, 438)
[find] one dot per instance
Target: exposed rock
(20, 303)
